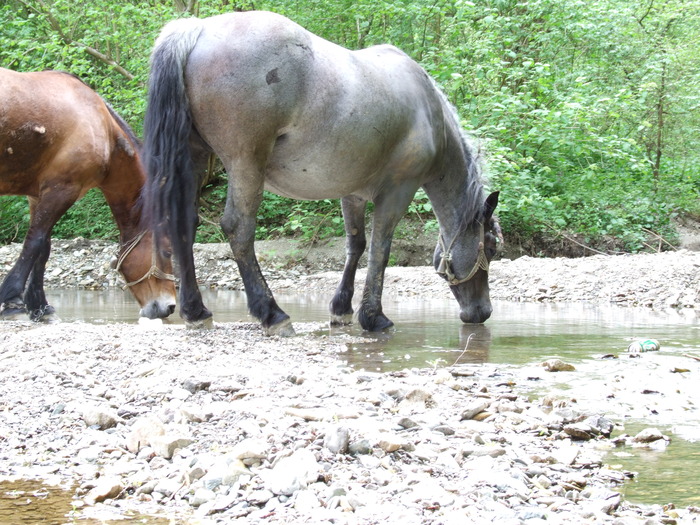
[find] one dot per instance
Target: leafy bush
(587, 111)
(14, 219)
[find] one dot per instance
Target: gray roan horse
(304, 118)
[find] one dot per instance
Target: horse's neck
(456, 192)
(122, 190)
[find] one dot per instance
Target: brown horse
(59, 139)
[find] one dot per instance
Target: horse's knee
(227, 224)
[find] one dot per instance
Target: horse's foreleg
(355, 244)
(238, 223)
(387, 212)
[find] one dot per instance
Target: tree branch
(56, 26)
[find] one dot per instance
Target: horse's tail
(171, 187)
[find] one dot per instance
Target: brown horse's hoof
(203, 324)
(14, 315)
(341, 320)
(283, 329)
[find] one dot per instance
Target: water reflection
(661, 475)
(32, 501)
(29, 501)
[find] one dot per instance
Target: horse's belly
(312, 182)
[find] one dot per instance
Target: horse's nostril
(171, 308)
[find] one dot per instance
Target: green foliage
(587, 111)
(90, 217)
(14, 219)
(580, 105)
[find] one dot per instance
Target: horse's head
(463, 261)
(147, 271)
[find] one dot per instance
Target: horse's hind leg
(11, 302)
(37, 306)
(238, 222)
(355, 244)
(35, 252)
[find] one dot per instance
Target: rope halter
(153, 271)
(445, 266)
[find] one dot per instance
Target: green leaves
(588, 111)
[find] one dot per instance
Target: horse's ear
(490, 205)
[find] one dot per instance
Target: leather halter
(153, 271)
(445, 267)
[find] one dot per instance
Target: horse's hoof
(376, 324)
(48, 319)
(341, 320)
(46, 314)
(12, 314)
(283, 329)
(202, 324)
(14, 311)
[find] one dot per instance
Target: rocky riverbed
(208, 427)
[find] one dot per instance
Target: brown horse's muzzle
(158, 309)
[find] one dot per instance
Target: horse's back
(50, 123)
(324, 121)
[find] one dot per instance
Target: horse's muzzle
(157, 310)
(475, 314)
